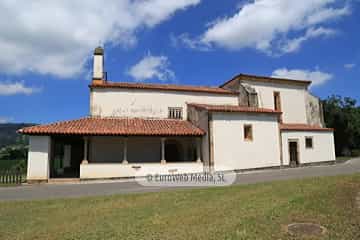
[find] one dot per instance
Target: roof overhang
(96, 126)
(233, 108)
(303, 127)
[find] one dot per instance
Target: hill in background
(9, 136)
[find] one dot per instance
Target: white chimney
(98, 70)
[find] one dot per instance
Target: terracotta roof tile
(116, 127)
(166, 87)
(233, 108)
(303, 127)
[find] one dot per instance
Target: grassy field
(237, 212)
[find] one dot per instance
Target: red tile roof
(303, 127)
(116, 127)
(166, 87)
(233, 108)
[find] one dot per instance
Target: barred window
(175, 112)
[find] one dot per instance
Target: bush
(13, 164)
(355, 153)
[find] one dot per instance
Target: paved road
(50, 191)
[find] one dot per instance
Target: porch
(95, 157)
(93, 148)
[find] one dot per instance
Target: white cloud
(185, 40)
(349, 65)
(14, 88)
(295, 44)
(264, 24)
(5, 119)
(56, 37)
(152, 67)
(317, 77)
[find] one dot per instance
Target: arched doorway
(172, 151)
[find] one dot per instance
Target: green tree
(343, 115)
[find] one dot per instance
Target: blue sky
(45, 66)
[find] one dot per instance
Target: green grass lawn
(342, 159)
(257, 211)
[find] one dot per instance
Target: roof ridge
(162, 86)
(266, 78)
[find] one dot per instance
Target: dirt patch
(305, 229)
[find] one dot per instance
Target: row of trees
(343, 114)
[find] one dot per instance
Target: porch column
(125, 151)
(163, 160)
(198, 150)
(85, 160)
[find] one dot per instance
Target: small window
(175, 112)
(277, 101)
(248, 133)
(309, 142)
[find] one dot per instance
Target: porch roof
(116, 127)
(303, 127)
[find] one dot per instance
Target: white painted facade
(149, 103)
(232, 151)
(292, 99)
(323, 149)
(38, 158)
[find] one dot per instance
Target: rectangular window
(175, 113)
(277, 101)
(248, 133)
(309, 142)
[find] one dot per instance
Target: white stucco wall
(149, 103)
(292, 97)
(323, 146)
(118, 170)
(231, 151)
(38, 158)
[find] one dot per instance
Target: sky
(46, 47)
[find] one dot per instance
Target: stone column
(198, 150)
(125, 151)
(163, 160)
(85, 160)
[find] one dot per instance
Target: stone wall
(314, 110)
